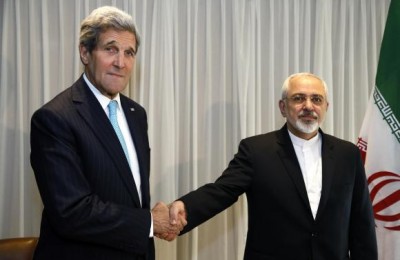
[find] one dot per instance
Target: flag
(379, 140)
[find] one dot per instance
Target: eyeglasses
(301, 98)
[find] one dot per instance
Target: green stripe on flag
(387, 113)
(388, 74)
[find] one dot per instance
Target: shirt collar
(305, 143)
(104, 101)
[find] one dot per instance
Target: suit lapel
(290, 161)
(291, 164)
(90, 109)
(138, 137)
(328, 171)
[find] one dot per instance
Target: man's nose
(119, 60)
(308, 104)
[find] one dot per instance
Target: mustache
(308, 113)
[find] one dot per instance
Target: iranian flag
(379, 140)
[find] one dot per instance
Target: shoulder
(335, 140)
(64, 103)
(57, 105)
(131, 104)
(330, 141)
(77, 92)
(270, 136)
(262, 141)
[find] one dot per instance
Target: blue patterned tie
(112, 108)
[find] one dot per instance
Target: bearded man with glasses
(307, 192)
(304, 104)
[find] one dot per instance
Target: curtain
(208, 72)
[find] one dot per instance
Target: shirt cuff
(151, 227)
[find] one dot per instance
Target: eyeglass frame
(304, 97)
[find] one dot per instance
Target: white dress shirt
(309, 155)
(123, 125)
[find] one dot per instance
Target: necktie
(112, 108)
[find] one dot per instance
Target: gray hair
(102, 19)
(286, 83)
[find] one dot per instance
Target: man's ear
(282, 107)
(84, 54)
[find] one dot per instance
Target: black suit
(280, 222)
(91, 205)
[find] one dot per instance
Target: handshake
(168, 220)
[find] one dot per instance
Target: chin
(307, 127)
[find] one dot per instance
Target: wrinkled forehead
(118, 37)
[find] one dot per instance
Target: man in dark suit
(91, 158)
(307, 192)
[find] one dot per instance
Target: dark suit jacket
(91, 205)
(280, 222)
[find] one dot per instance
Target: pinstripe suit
(91, 205)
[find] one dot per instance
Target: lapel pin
(132, 109)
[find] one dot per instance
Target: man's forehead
(302, 78)
(306, 83)
(112, 36)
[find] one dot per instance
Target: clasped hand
(168, 220)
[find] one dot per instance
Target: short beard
(309, 127)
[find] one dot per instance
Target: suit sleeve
(71, 207)
(210, 199)
(363, 244)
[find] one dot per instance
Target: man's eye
(298, 98)
(317, 99)
(110, 49)
(130, 53)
